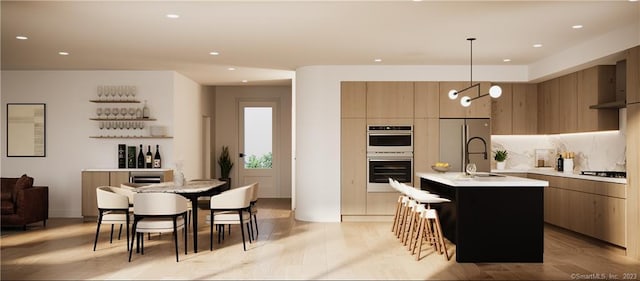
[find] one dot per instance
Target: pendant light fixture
(495, 91)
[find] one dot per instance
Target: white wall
(188, 139)
(68, 146)
(317, 161)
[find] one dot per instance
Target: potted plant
(225, 165)
(500, 156)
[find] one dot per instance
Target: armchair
(22, 203)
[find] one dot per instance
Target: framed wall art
(26, 130)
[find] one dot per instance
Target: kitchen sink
(488, 175)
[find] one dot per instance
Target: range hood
(621, 91)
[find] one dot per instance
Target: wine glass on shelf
(471, 169)
(99, 112)
(115, 112)
(127, 92)
(121, 125)
(100, 92)
(101, 125)
(120, 92)
(123, 112)
(134, 91)
(132, 112)
(107, 112)
(107, 125)
(113, 92)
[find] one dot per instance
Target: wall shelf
(115, 101)
(111, 119)
(130, 137)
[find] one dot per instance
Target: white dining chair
(158, 213)
(253, 208)
(230, 207)
(113, 209)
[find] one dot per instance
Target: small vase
(501, 165)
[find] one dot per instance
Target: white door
(258, 146)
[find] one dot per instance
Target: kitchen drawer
(553, 181)
(597, 187)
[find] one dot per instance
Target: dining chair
(158, 213)
(113, 208)
(230, 207)
(254, 209)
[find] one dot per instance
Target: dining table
(190, 190)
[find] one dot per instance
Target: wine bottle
(122, 156)
(560, 164)
(147, 159)
(157, 161)
(145, 111)
(140, 158)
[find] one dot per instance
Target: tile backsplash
(597, 151)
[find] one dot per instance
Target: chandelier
(495, 91)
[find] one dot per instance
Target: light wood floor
(286, 249)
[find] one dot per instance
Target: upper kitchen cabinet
(596, 85)
(568, 109)
(516, 111)
(525, 108)
(426, 100)
(353, 99)
(480, 108)
(557, 101)
(633, 75)
(502, 112)
(389, 100)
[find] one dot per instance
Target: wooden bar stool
(428, 228)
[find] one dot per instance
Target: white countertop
(552, 172)
(127, 170)
(458, 179)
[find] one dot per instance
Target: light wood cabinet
(353, 102)
(567, 110)
(633, 75)
(480, 108)
(525, 109)
(596, 85)
(382, 203)
(426, 100)
(389, 100)
(516, 111)
(593, 208)
(426, 137)
(548, 106)
(353, 166)
(90, 181)
(502, 112)
(633, 179)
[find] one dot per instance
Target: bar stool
(429, 227)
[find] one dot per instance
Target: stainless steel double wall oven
(389, 155)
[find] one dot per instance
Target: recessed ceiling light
(245, 81)
(214, 53)
(506, 60)
(173, 16)
(231, 68)
(63, 53)
(577, 26)
(537, 45)
(377, 60)
(633, 0)
(22, 37)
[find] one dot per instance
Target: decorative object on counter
(178, 176)
(495, 91)
(157, 161)
(145, 111)
(131, 157)
(158, 131)
(122, 159)
(560, 165)
(148, 159)
(225, 165)
(140, 158)
(568, 162)
(440, 167)
(471, 169)
(501, 158)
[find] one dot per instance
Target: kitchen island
(491, 218)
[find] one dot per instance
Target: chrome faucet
(467, 149)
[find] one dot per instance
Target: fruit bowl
(440, 169)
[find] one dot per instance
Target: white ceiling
(265, 41)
